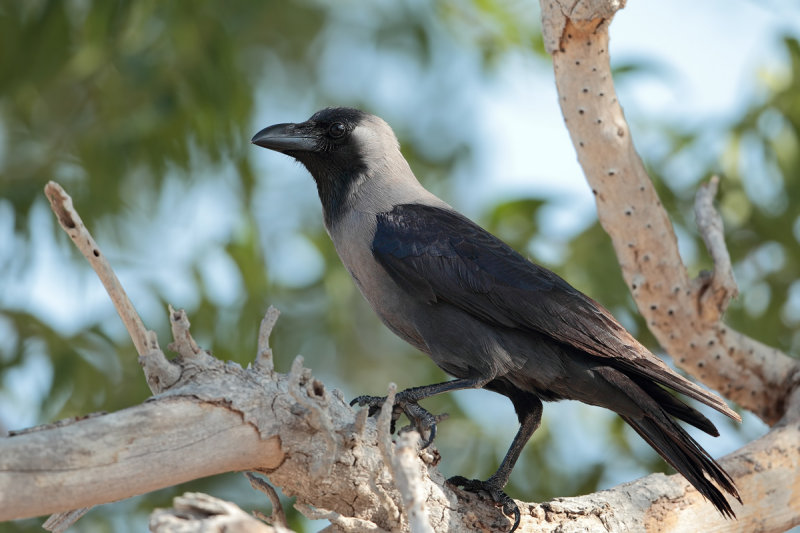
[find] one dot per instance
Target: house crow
(482, 312)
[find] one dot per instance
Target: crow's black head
(321, 136)
(339, 146)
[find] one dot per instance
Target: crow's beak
(285, 138)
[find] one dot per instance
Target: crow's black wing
(443, 256)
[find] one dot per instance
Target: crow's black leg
(405, 402)
(529, 412)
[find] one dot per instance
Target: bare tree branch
(158, 371)
(71, 222)
(408, 476)
(60, 522)
(189, 434)
(200, 513)
(134, 451)
(278, 515)
(683, 315)
(345, 523)
(264, 358)
(721, 287)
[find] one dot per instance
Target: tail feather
(647, 407)
(677, 408)
(660, 373)
(686, 456)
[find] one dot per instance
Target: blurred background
(143, 111)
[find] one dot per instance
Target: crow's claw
(426, 422)
(500, 498)
(374, 403)
(421, 420)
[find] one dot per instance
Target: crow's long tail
(686, 456)
(646, 407)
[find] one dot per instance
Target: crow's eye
(336, 130)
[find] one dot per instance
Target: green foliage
(496, 27)
(760, 204)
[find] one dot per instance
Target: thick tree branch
(227, 418)
(134, 451)
(684, 315)
(764, 470)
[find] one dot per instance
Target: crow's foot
(500, 498)
(422, 420)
